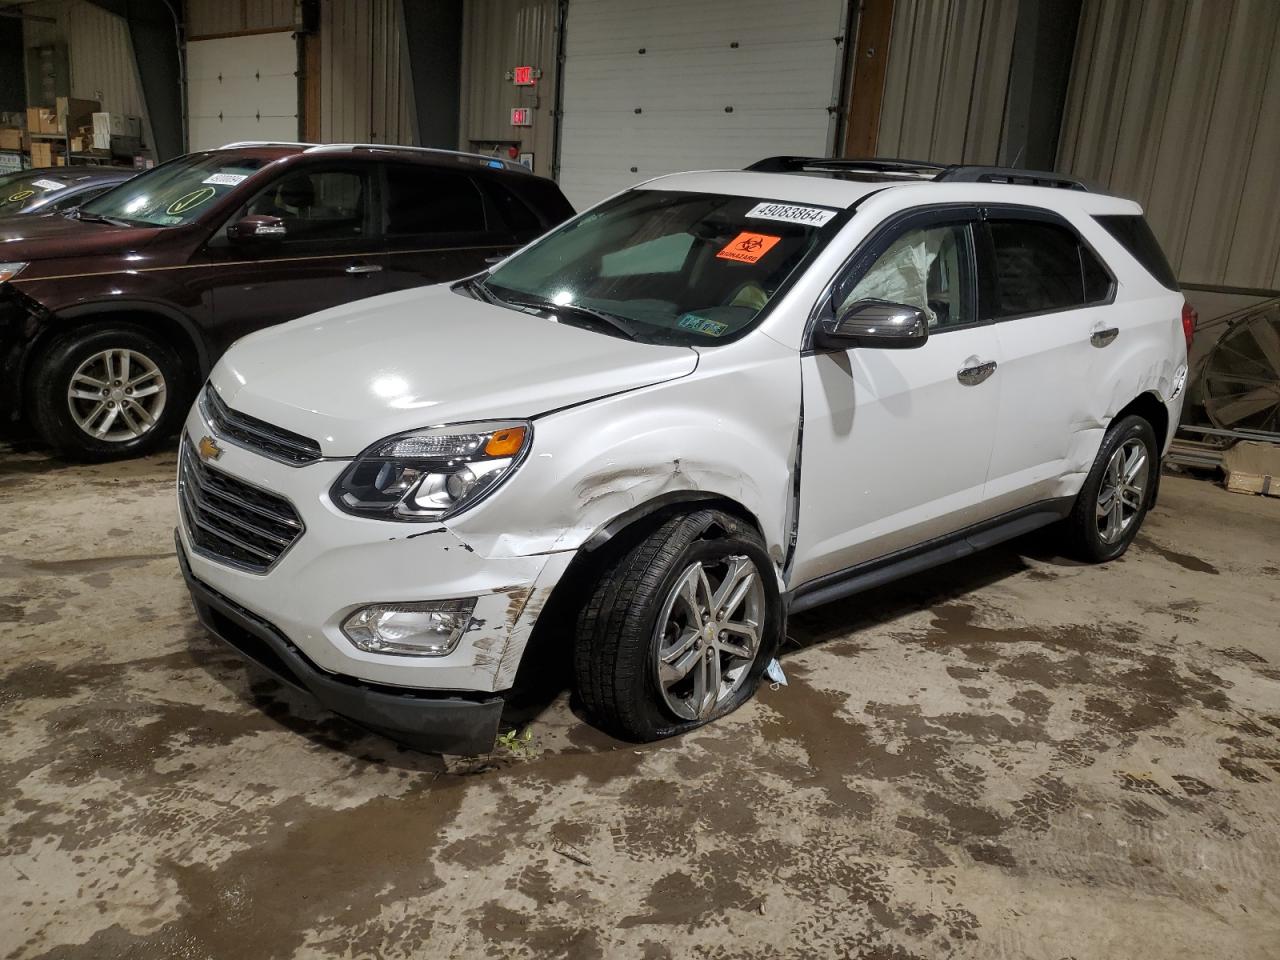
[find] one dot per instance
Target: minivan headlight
(11, 269)
(434, 473)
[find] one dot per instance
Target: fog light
(429, 628)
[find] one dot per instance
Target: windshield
(664, 266)
(174, 193)
(20, 191)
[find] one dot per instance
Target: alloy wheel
(117, 395)
(1123, 491)
(709, 631)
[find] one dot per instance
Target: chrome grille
(231, 521)
(257, 435)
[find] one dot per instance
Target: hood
(42, 238)
(352, 375)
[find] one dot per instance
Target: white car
(634, 447)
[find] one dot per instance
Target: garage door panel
(778, 82)
(242, 88)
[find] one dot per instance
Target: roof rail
(893, 168)
(960, 173)
(263, 143)
(878, 166)
(491, 161)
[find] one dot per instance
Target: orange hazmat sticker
(747, 247)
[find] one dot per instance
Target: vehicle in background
(110, 320)
(52, 190)
(632, 449)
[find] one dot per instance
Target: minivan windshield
(174, 193)
(664, 266)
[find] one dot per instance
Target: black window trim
(987, 259)
(879, 240)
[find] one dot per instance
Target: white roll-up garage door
(655, 86)
(242, 88)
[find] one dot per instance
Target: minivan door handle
(975, 371)
(364, 268)
(1102, 336)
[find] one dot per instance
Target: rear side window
(421, 200)
(1134, 234)
(522, 221)
(1043, 267)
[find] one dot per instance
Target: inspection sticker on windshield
(747, 247)
(226, 179)
(809, 216)
(48, 184)
(712, 328)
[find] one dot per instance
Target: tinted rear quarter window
(422, 200)
(521, 220)
(1042, 267)
(1134, 234)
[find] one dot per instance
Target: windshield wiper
(475, 286)
(611, 320)
(93, 219)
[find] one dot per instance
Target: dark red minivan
(110, 317)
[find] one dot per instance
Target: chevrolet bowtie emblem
(209, 449)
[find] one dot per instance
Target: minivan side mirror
(874, 323)
(256, 229)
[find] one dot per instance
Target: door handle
(496, 258)
(364, 268)
(1102, 336)
(975, 371)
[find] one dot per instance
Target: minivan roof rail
(893, 168)
(491, 161)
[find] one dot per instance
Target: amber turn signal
(505, 443)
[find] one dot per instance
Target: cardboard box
(41, 154)
(41, 120)
(108, 125)
(10, 162)
(10, 138)
(1253, 467)
(73, 112)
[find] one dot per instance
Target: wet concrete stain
(1185, 560)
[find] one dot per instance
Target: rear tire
(661, 628)
(1116, 495)
(106, 393)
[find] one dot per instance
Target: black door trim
(922, 556)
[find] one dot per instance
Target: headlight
(10, 270)
(432, 474)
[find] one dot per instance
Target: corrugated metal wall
(1176, 103)
(366, 91)
(947, 80)
(496, 36)
(215, 17)
(99, 51)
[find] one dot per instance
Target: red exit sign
(523, 76)
(521, 117)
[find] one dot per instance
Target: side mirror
(256, 229)
(874, 323)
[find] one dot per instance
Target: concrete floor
(1012, 756)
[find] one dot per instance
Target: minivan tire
(1083, 531)
(50, 405)
(619, 640)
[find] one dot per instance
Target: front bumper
(435, 722)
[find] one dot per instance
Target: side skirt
(931, 553)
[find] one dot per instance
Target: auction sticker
(747, 247)
(810, 216)
(712, 328)
(190, 201)
(48, 184)
(226, 179)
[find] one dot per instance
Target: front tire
(678, 629)
(106, 393)
(1116, 495)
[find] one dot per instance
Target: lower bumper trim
(433, 723)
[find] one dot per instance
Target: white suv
(636, 445)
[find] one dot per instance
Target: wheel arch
(1151, 408)
(175, 328)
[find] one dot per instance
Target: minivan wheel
(1117, 493)
(106, 393)
(678, 628)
